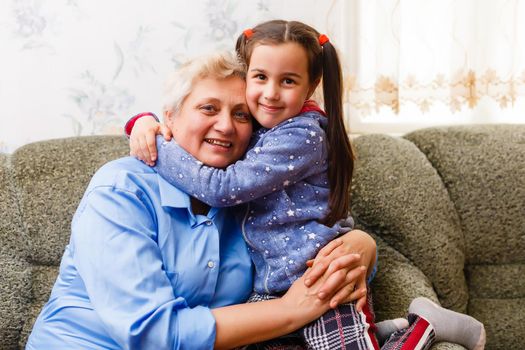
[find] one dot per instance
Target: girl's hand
(342, 264)
(142, 141)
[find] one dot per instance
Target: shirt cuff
(130, 123)
(196, 328)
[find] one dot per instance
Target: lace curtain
(412, 63)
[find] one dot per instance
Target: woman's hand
(341, 265)
(250, 323)
(303, 304)
(142, 141)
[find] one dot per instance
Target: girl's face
(277, 83)
(213, 124)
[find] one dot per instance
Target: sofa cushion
(505, 281)
(399, 196)
(503, 319)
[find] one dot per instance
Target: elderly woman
(149, 267)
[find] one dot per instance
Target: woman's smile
(218, 142)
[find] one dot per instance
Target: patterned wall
(82, 67)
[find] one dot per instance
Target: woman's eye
(260, 77)
(207, 108)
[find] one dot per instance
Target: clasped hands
(339, 271)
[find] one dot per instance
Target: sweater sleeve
(285, 155)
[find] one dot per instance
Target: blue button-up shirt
(141, 271)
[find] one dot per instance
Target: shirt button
(208, 222)
(211, 264)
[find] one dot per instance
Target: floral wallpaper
(81, 67)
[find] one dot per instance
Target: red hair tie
(323, 39)
(248, 33)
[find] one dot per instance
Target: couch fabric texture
(446, 206)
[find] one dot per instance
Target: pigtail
(240, 48)
(340, 153)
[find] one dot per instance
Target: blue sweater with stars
(283, 178)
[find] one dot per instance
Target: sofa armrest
(397, 282)
(15, 277)
(399, 195)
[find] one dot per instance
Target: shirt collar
(171, 196)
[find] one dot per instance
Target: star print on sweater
(283, 177)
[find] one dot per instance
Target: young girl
(295, 178)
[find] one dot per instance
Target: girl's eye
(242, 116)
(288, 81)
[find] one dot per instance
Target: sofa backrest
(483, 170)
(452, 201)
(49, 179)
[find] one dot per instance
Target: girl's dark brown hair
(323, 62)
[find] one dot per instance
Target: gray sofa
(446, 205)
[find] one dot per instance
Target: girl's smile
(270, 108)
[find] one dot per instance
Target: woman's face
(213, 124)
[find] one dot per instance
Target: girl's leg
(278, 344)
(419, 335)
(343, 328)
(430, 322)
(449, 325)
(386, 328)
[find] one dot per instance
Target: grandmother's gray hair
(219, 65)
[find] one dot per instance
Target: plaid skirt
(339, 328)
(345, 328)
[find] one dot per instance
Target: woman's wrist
(300, 305)
(293, 317)
(249, 323)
